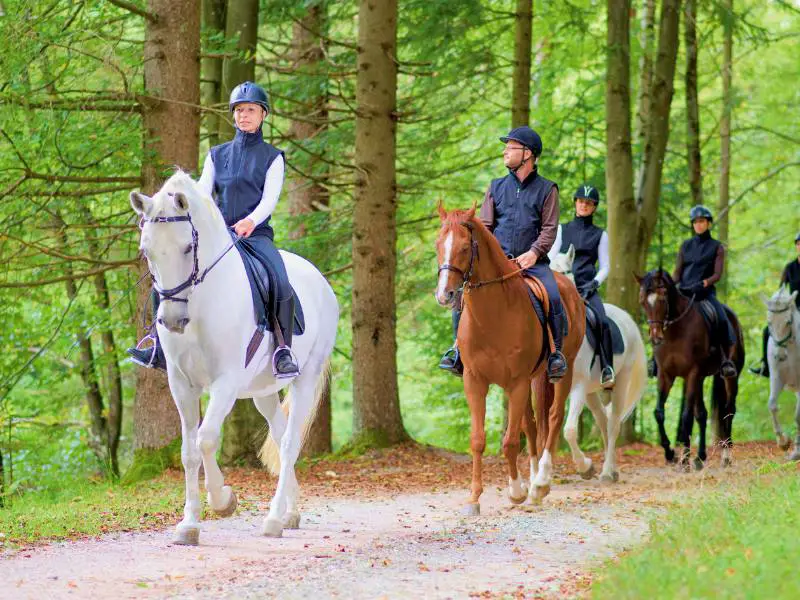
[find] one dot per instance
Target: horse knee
(571, 434)
(477, 443)
(207, 442)
(510, 447)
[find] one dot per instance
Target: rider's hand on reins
(244, 227)
(526, 260)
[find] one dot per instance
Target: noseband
(782, 343)
(195, 277)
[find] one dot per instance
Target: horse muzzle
(176, 326)
(446, 298)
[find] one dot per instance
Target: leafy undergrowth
(738, 542)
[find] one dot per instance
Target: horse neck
(212, 239)
(490, 265)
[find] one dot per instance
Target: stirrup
(732, 373)
(607, 383)
(451, 362)
(275, 355)
(554, 375)
(132, 351)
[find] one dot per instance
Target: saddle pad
(617, 341)
(261, 279)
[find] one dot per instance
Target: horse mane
(466, 218)
(202, 206)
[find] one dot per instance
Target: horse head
(780, 316)
(170, 221)
(562, 263)
(657, 293)
(457, 251)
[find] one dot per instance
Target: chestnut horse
(502, 342)
(683, 348)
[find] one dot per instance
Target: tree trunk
(241, 23)
(376, 403)
(692, 110)
(245, 425)
(211, 83)
(725, 134)
(309, 193)
(521, 102)
(171, 136)
(646, 36)
(112, 372)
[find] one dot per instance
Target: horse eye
(188, 249)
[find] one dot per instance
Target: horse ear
(571, 252)
(181, 201)
(793, 297)
(638, 278)
(471, 211)
(440, 209)
(141, 203)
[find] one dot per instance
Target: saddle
(709, 314)
(617, 341)
(541, 306)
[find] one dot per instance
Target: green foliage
(736, 543)
(149, 463)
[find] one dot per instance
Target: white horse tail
(638, 379)
(270, 454)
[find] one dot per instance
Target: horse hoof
(609, 478)
(784, 442)
(698, 463)
(519, 500)
(541, 491)
(669, 456)
(588, 473)
(471, 509)
(186, 536)
(230, 508)
(272, 528)
(292, 521)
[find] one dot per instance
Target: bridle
(782, 343)
(665, 323)
(196, 277)
(466, 276)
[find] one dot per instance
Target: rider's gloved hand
(587, 289)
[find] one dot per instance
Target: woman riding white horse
(246, 176)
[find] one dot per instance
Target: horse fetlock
(589, 472)
(228, 502)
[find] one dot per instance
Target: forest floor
(384, 525)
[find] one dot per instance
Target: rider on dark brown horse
(521, 210)
(591, 246)
(700, 264)
(791, 278)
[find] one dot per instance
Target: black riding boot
(763, 367)
(151, 357)
(607, 375)
(283, 361)
(556, 363)
(451, 361)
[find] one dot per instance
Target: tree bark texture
(725, 131)
(308, 191)
(521, 101)
(692, 111)
(241, 23)
(171, 137)
(646, 37)
(376, 404)
(213, 24)
(245, 425)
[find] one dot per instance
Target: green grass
(739, 542)
(88, 509)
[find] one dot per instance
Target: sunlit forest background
(74, 141)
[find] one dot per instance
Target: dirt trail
(390, 545)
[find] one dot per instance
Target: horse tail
(270, 454)
(637, 381)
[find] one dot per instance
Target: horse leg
(555, 421)
(687, 418)
(517, 398)
(775, 389)
(701, 416)
(529, 427)
(795, 455)
(187, 532)
(222, 397)
(665, 382)
(729, 388)
(614, 424)
(577, 399)
(270, 408)
(283, 507)
(476, 390)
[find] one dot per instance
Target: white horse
(205, 331)
(783, 358)
(609, 407)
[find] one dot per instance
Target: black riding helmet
(249, 92)
(527, 137)
(700, 212)
(589, 192)
(797, 238)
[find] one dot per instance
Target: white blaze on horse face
(444, 275)
(652, 297)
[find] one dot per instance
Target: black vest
(240, 168)
(518, 211)
(699, 256)
(585, 237)
(792, 275)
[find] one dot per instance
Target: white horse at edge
(609, 407)
(783, 358)
(205, 338)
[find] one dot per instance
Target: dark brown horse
(683, 348)
(502, 342)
